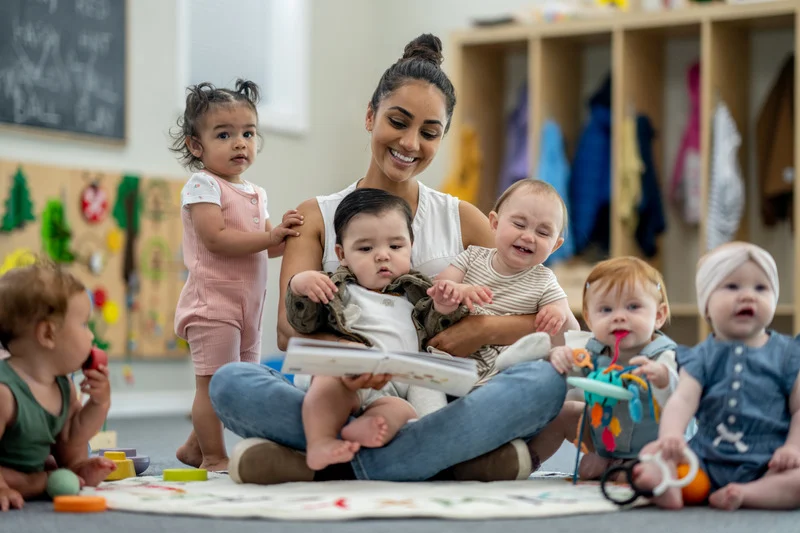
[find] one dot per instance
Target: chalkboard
(62, 65)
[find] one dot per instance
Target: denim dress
(743, 416)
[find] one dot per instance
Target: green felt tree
(98, 341)
(19, 207)
(56, 235)
(126, 211)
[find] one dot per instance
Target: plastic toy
(96, 358)
(689, 475)
(79, 504)
(697, 491)
(185, 474)
(124, 466)
(603, 389)
(63, 482)
(140, 462)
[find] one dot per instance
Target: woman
(407, 117)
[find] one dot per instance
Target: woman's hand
(463, 338)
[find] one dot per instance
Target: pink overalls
(220, 307)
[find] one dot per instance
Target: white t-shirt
(384, 319)
(204, 189)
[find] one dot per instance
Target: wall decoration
(18, 258)
(56, 235)
(94, 203)
(19, 207)
(128, 256)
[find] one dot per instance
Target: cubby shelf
(561, 61)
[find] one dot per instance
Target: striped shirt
(523, 293)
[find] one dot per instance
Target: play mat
(347, 500)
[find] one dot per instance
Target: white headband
(718, 264)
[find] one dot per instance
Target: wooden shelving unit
(564, 58)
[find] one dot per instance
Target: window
(266, 41)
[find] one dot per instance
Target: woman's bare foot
(647, 476)
(190, 454)
(328, 452)
(94, 470)
(214, 464)
(368, 431)
(728, 498)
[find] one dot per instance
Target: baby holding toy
(741, 384)
(44, 313)
(625, 305)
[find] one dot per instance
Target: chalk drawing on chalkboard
(62, 66)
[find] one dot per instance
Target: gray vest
(632, 437)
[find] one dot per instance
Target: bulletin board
(120, 234)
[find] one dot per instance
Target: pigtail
(248, 90)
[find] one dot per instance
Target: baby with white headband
(741, 384)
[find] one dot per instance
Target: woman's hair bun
(426, 47)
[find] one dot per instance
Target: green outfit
(25, 445)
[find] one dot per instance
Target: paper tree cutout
(19, 207)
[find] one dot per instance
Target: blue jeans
(257, 401)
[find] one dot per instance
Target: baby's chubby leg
(773, 491)
(380, 422)
(326, 408)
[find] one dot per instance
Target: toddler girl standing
(227, 239)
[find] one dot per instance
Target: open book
(453, 375)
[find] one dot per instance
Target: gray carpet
(159, 438)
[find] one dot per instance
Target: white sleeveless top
(436, 225)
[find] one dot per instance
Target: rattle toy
(603, 389)
(692, 481)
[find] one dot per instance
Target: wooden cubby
(741, 49)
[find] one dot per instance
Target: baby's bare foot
(729, 497)
(328, 452)
(369, 431)
(647, 477)
(94, 470)
(189, 453)
(213, 464)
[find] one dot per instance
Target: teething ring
(666, 476)
(667, 480)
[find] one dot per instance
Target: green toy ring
(600, 388)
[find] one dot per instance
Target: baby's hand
(445, 293)
(10, 499)
(787, 457)
(671, 448)
(314, 285)
(561, 359)
(97, 386)
(290, 219)
(366, 381)
(472, 295)
(550, 319)
(656, 373)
